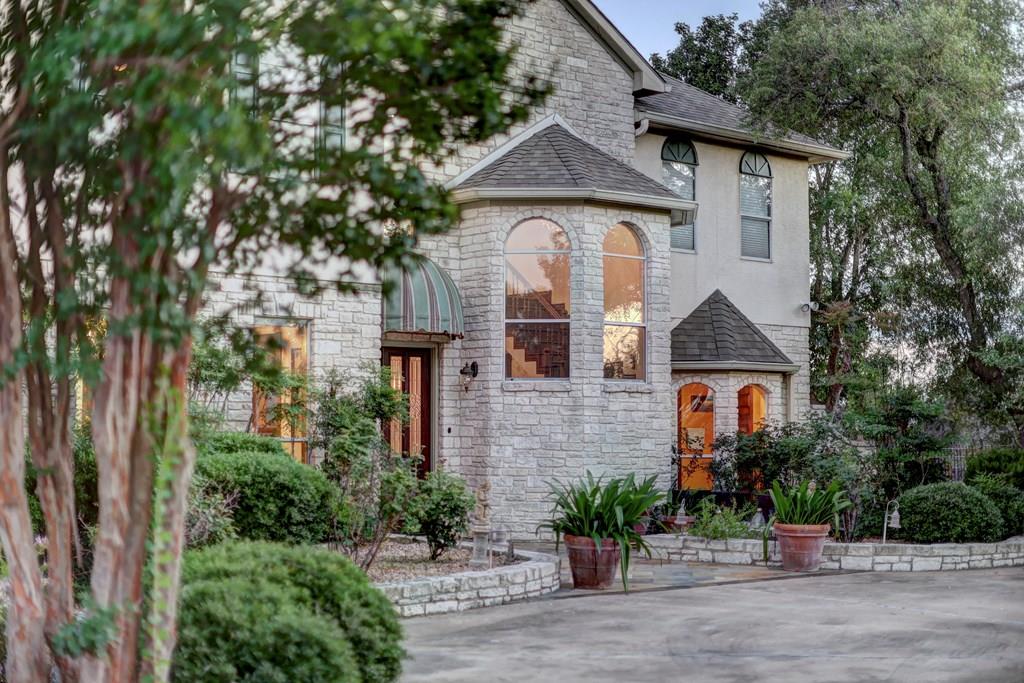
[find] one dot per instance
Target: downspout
(641, 126)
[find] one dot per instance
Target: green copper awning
(422, 299)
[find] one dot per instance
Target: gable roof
(689, 108)
(716, 335)
(646, 79)
(550, 161)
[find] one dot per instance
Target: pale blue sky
(649, 23)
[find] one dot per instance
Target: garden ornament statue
(891, 520)
(481, 528)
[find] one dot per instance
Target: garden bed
(407, 559)
(890, 557)
(531, 575)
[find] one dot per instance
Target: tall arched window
(755, 206)
(695, 421)
(537, 303)
(625, 327)
(752, 402)
(679, 173)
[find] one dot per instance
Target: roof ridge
(572, 168)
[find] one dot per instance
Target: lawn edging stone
(538, 574)
(878, 557)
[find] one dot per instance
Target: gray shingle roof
(717, 332)
(555, 158)
(692, 103)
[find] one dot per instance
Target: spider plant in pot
(598, 520)
(802, 519)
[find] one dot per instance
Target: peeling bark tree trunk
(27, 653)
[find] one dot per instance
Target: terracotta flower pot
(801, 545)
(591, 569)
(640, 528)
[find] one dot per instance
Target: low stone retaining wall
(537, 575)
(890, 557)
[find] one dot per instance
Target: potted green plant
(803, 517)
(598, 521)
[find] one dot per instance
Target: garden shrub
(323, 582)
(238, 442)
(1008, 499)
(1008, 461)
(210, 515)
(244, 629)
(950, 512)
(441, 510)
(721, 522)
(278, 499)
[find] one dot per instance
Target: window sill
(683, 251)
(535, 385)
(627, 388)
(755, 259)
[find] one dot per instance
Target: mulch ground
(401, 560)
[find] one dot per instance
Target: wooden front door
(410, 373)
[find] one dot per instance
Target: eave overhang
(476, 194)
(735, 366)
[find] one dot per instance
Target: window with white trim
(755, 206)
(625, 326)
(679, 174)
(537, 293)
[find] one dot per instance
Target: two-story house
(630, 274)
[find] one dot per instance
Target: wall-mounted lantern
(468, 373)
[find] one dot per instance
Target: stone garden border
(538, 575)
(890, 557)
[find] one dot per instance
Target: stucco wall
(520, 435)
(769, 293)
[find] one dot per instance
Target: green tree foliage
(708, 56)
(927, 90)
(144, 145)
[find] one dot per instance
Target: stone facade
(538, 575)
(890, 557)
(523, 434)
(344, 330)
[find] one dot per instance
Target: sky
(649, 24)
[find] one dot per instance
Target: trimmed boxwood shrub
(1008, 461)
(324, 582)
(440, 511)
(245, 629)
(1008, 499)
(278, 499)
(949, 512)
(238, 442)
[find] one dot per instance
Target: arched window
(537, 303)
(679, 173)
(755, 206)
(695, 421)
(625, 327)
(753, 408)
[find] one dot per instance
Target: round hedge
(238, 442)
(245, 629)
(949, 512)
(1008, 499)
(279, 499)
(326, 583)
(999, 461)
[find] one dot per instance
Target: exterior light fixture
(468, 373)
(810, 306)
(891, 520)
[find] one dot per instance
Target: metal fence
(956, 460)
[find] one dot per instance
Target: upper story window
(537, 305)
(755, 206)
(679, 173)
(278, 79)
(625, 328)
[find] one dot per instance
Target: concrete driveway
(930, 626)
